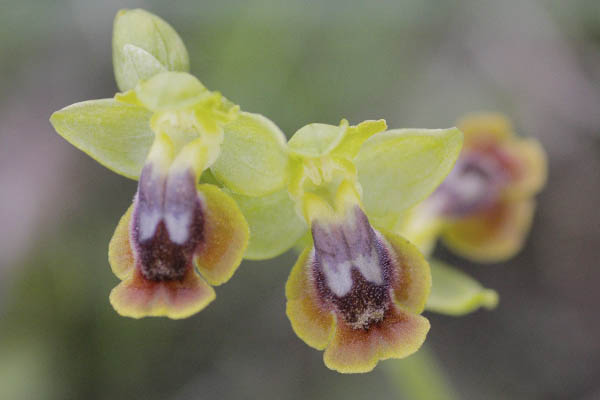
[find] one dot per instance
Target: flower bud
(144, 45)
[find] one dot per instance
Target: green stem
(420, 377)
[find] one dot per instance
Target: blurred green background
(413, 62)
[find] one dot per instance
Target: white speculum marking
(474, 184)
(339, 276)
(342, 248)
(178, 226)
(166, 198)
(149, 220)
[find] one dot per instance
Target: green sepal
(316, 140)
(274, 224)
(401, 167)
(115, 134)
(355, 136)
(343, 141)
(144, 45)
(455, 293)
(168, 91)
(253, 159)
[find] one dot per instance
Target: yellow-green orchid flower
(484, 208)
(175, 229)
(357, 290)
(165, 130)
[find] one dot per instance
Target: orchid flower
(357, 290)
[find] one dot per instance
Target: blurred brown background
(412, 62)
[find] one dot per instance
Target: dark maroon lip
(474, 185)
(168, 213)
(348, 245)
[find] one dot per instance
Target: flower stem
(420, 377)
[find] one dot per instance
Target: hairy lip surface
(473, 185)
(351, 269)
(167, 224)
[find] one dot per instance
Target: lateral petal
(225, 236)
(494, 235)
(120, 255)
(310, 318)
(412, 283)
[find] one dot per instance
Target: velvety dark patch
(473, 185)
(366, 303)
(160, 258)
